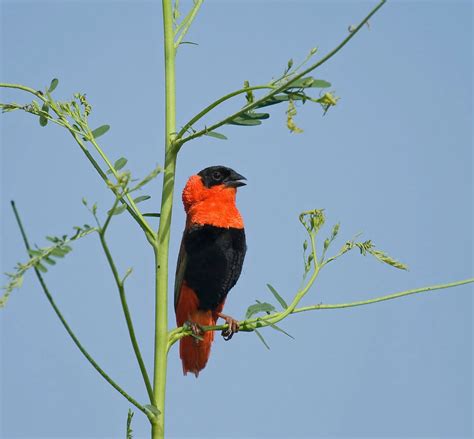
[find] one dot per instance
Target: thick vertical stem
(163, 239)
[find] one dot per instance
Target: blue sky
(393, 160)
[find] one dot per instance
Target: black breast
(214, 258)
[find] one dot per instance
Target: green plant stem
(384, 298)
(210, 107)
(68, 328)
(186, 23)
(128, 318)
(163, 238)
(248, 325)
(284, 86)
(37, 93)
(132, 208)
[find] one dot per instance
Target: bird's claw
(229, 332)
(195, 328)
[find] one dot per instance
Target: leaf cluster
(40, 258)
(292, 87)
(263, 314)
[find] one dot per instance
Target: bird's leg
(195, 328)
(233, 326)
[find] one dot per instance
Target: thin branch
(384, 298)
(210, 107)
(131, 206)
(260, 322)
(123, 299)
(284, 86)
(186, 23)
(68, 328)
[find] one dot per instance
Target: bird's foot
(228, 333)
(195, 328)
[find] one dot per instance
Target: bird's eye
(216, 175)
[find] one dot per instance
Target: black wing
(211, 262)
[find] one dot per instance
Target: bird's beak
(233, 180)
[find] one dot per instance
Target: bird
(210, 260)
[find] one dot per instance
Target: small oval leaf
(120, 163)
(142, 198)
(41, 267)
(43, 120)
(244, 122)
(320, 83)
(53, 85)
(100, 131)
(118, 210)
(216, 135)
(259, 307)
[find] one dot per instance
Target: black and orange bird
(210, 260)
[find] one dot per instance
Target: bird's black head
(215, 175)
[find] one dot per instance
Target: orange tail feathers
(194, 353)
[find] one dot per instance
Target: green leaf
(252, 115)
(59, 249)
(216, 135)
(309, 81)
(59, 252)
(320, 83)
(120, 163)
(258, 307)
(277, 296)
(152, 214)
(118, 210)
(278, 99)
(41, 267)
(49, 260)
(244, 122)
(53, 85)
(43, 120)
(260, 336)
(142, 198)
(272, 325)
(100, 131)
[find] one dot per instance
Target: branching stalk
(260, 322)
(68, 328)
(131, 206)
(123, 299)
(186, 23)
(284, 86)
